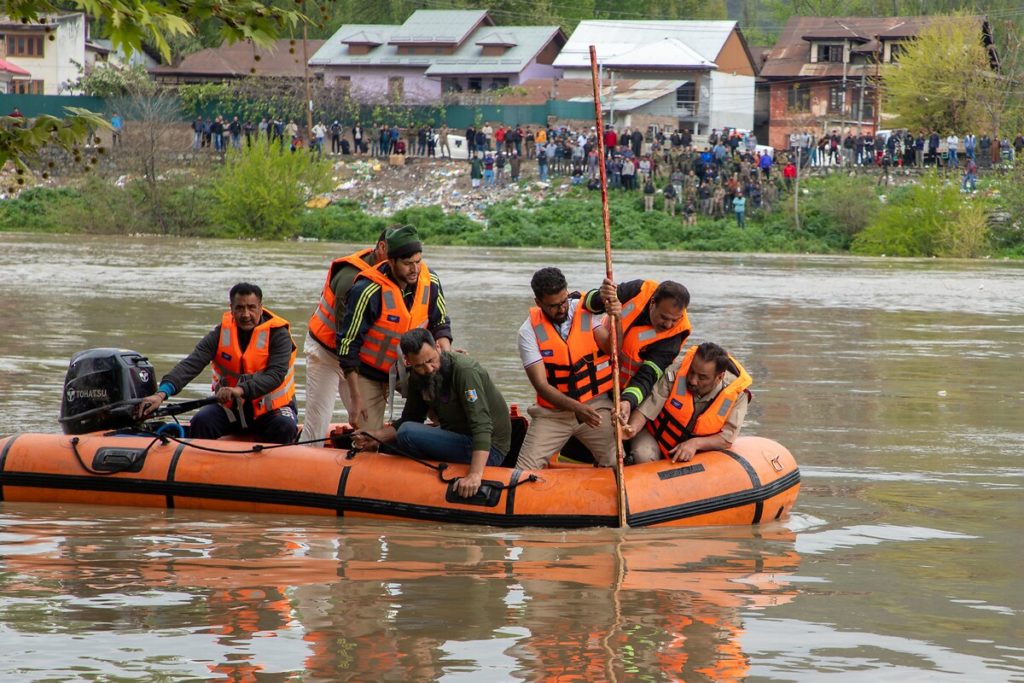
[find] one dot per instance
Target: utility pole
(305, 72)
(796, 188)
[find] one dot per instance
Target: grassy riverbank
(249, 198)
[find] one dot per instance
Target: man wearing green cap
(384, 303)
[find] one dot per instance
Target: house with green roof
(436, 52)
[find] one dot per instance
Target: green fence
(53, 105)
(455, 116)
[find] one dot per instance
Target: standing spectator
(514, 165)
(952, 144)
(540, 138)
(970, 175)
(235, 129)
(442, 142)
(291, 131)
(421, 140)
(335, 136)
(116, 125)
(217, 130)
(197, 133)
(531, 143)
(933, 148)
(488, 134)
(789, 174)
(765, 164)
(628, 173)
(488, 169)
(919, 143)
(319, 133)
(1018, 146)
(207, 132)
(476, 171)
(482, 141)
(247, 129)
(649, 192)
(499, 168)
(970, 142)
(739, 206)
(263, 130)
(393, 138)
(470, 140)
(670, 198)
(542, 163)
(357, 139)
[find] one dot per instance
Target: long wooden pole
(620, 453)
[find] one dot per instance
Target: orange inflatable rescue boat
(106, 459)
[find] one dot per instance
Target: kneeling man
(456, 391)
(699, 405)
(253, 358)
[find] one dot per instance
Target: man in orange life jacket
(698, 406)
(253, 358)
(564, 350)
(384, 303)
(654, 326)
(324, 378)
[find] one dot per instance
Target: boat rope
(162, 438)
(442, 466)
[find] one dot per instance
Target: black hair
(710, 351)
(672, 290)
(413, 340)
(245, 289)
(547, 281)
(383, 235)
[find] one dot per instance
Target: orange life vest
(637, 337)
(322, 325)
(380, 345)
(575, 366)
(677, 421)
(230, 362)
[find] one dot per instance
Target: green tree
(944, 80)
(110, 80)
(261, 191)
(128, 23)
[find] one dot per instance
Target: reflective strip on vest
(647, 334)
(266, 401)
(627, 310)
(541, 332)
(225, 336)
(726, 406)
(324, 317)
(389, 298)
(261, 339)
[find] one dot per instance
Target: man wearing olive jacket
(457, 392)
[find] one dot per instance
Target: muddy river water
(898, 385)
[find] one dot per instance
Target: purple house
(436, 52)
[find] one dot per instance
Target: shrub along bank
(837, 214)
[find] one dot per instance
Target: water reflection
(244, 602)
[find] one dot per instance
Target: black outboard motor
(102, 388)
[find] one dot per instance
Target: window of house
(396, 88)
(835, 99)
(895, 50)
(27, 87)
(799, 98)
(343, 82)
(830, 53)
(686, 96)
(863, 107)
(497, 83)
(451, 85)
(23, 45)
(475, 85)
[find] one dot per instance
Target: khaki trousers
(325, 382)
(550, 429)
(375, 400)
(644, 448)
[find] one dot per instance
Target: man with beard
(564, 349)
(458, 393)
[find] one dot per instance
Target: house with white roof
(699, 74)
(49, 54)
(436, 52)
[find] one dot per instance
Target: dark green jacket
(464, 400)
